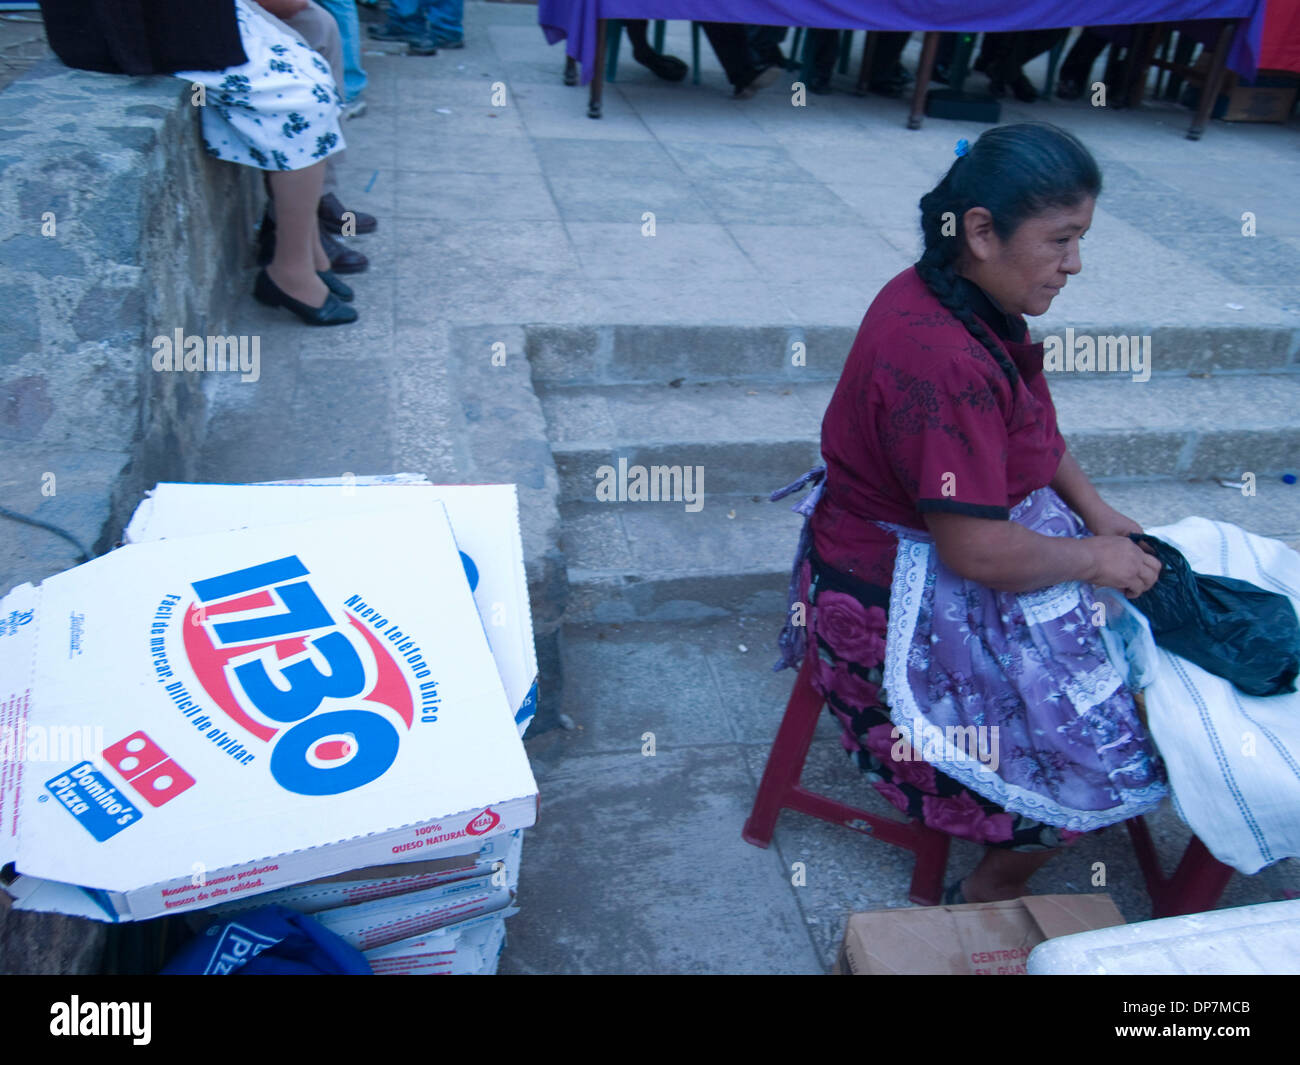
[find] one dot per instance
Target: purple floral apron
(1015, 695)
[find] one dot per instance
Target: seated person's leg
(731, 46)
(765, 44)
(1076, 70)
(668, 67)
(826, 48)
(888, 76)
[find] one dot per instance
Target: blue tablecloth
(575, 20)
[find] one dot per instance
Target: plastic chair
(780, 790)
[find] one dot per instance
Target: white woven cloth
(1233, 759)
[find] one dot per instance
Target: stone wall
(115, 227)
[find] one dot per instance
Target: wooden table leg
(1140, 62)
(1213, 79)
(929, 49)
(570, 70)
(868, 58)
(598, 75)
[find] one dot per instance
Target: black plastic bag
(1228, 627)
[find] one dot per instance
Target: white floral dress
(280, 110)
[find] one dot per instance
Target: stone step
(659, 562)
(631, 354)
(750, 437)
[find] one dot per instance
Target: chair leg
(846, 45)
(931, 865)
(695, 53)
(660, 26)
(786, 758)
(613, 34)
(1213, 79)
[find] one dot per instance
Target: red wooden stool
(1194, 886)
(780, 790)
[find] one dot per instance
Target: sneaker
(449, 42)
(355, 109)
(422, 46)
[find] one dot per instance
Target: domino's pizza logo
(327, 696)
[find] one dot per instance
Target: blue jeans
(345, 14)
(428, 18)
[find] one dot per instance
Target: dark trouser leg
(1081, 56)
(826, 49)
(636, 34)
(731, 46)
(765, 43)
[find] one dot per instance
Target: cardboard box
(1269, 97)
(977, 939)
(222, 776)
(349, 888)
(467, 948)
(484, 520)
(367, 925)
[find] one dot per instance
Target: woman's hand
(1117, 562)
(1105, 520)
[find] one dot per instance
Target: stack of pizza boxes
(311, 694)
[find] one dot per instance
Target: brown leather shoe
(343, 260)
(331, 212)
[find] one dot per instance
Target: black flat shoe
(668, 67)
(331, 312)
(342, 291)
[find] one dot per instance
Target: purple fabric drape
(575, 20)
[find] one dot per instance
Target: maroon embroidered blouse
(924, 419)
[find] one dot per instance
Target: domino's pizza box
(332, 892)
(484, 519)
(279, 704)
(468, 948)
(382, 921)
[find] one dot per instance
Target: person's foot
(310, 289)
(450, 43)
(355, 109)
(322, 309)
(336, 285)
(331, 212)
(421, 46)
(760, 79)
(343, 260)
(668, 67)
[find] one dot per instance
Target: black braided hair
(1014, 172)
